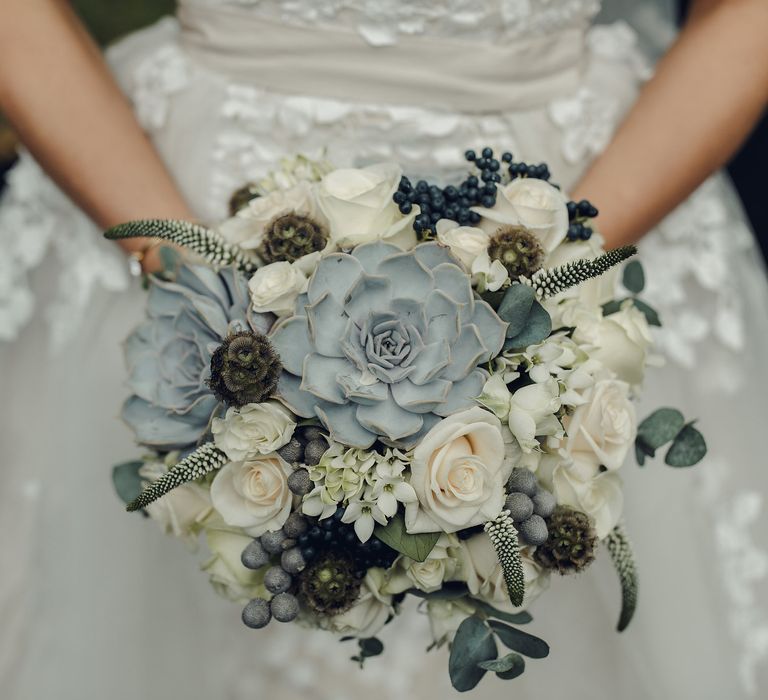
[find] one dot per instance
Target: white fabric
(96, 604)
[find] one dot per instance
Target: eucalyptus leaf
(651, 315)
(520, 641)
(127, 481)
(521, 618)
(472, 645)
(506, 667)
(660, 427)
(450, 591)
(642, 451)
(612, 306)
(634, 277)
(394, 535)
(515, 308)
(537, 329)
(688, 448)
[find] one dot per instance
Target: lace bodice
(380, 22)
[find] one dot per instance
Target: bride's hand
(147, 252)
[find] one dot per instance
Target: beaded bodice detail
(381, 22)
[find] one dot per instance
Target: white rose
(531, 203)
(359, 207)
(532, 411)
(228, 576)
(247, 228)
(255, 429)
(445, 617)
(579, 483)
(605, 425)
(254, 494)
(620, 341)
(275, 287)
(428, 575)
(465, 242)
(369, 613)
(458, 472)
(180, 512)
(485, 578)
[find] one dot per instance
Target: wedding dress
(97, 604)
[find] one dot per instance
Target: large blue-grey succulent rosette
(169, 354)
(384, 343)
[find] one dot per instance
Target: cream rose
(605, 425)
(359, 207)
(579, 483)
(441, 565)
(485, 578)
(620, 341)
(275, 287)
(445, 616)
(458, 472)
(228, 576)
(532, 203)
(254, 494)
(181, 512)
(247, 228)
(465, 242)
(369, 614)
(255, 429)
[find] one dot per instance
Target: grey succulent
(169, 354)
(385, 342)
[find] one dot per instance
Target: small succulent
(517, 249)
(386, 342)
(244, 369)
(571, 544)
(292, 236)
(169, 354)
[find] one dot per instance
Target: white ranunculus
(228, 576)
(579, 483)
(358, 205)
(620, 341)
(445, 617)
(605, 425)
(254, 494)
(247, 227)
(441, 565)
(458, 472)
(275, 287)
(180, 512)
(465, 242)
(532, 411)
(532, 203)
(485, 578)
(369, 613)
(255, 429)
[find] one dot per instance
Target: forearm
(61, 99)
(707, 94)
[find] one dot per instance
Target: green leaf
(612, 306)
(450, 591)
(651, 315)
(393, 534)
(537, 329)
(520, 641)
(521, 618)
(507, 667)
(659, 428)
(127, 481)
(370, 647)
(472, 645)
(642, 451)
(688, 448)
(634, 277)
(515, 308)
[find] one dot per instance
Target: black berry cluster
(332, 535)
(578, 213)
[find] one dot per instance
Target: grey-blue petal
(491, 328)
(455, 283)
(370, 293)
(343, 425)
(433, 254)
(411, 311)
(442, 317)
(157, 427)
(327, 323)
(420, 399)
(466, 354)
(463, 394)
(363, 394)
(371, 254)
(290, 338)
(336, 274)
(389, 420)
(430, 361)
(430, 421)
(290, 393)
(389, 376)
(321, 377)
(409, 277)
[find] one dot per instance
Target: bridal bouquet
(377, 388)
